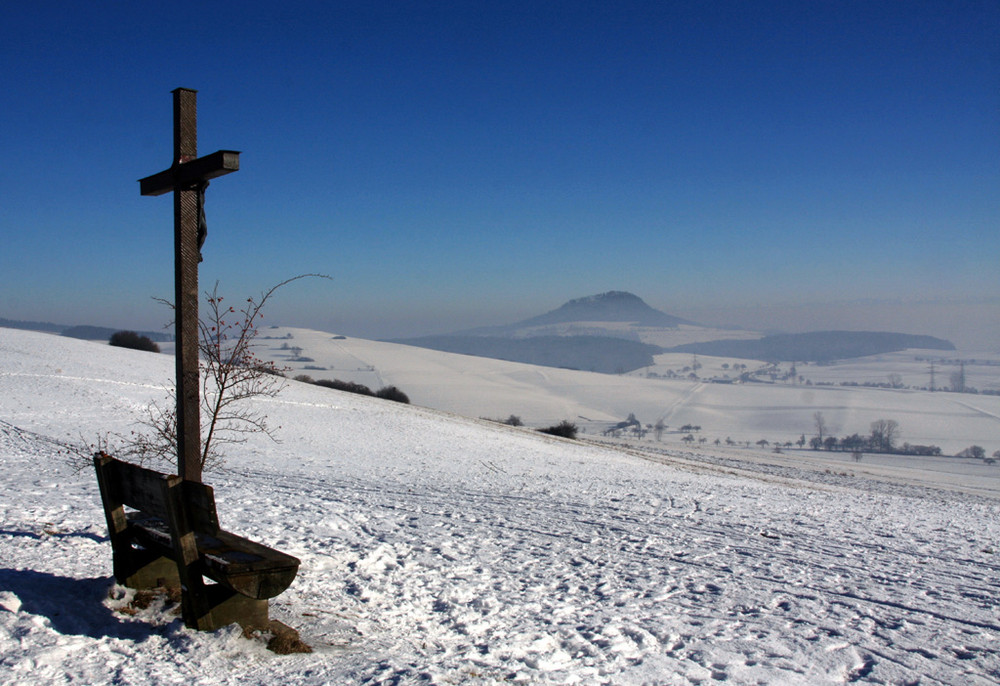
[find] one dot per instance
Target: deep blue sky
(451, 167)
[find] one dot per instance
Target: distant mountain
(31, 326)
(613, 306)
(615, 314)
(605, 332)
(103, 333)
(571, 336)
(816, 346)
(85, 332)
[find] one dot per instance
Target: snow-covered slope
(542, 396)
(438, 549)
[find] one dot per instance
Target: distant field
(780, 411)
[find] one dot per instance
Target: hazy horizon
(783, 166)
(972, 326)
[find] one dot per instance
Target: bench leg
(143, 569)
(215, 606)
(207, 608)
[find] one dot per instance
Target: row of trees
(882, 439)
(386, 392)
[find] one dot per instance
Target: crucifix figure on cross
(188, 177)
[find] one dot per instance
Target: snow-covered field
(912, 368)
(542, 396)
(441, 549)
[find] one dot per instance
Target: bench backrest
(149, 491)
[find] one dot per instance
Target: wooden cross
(187, 177)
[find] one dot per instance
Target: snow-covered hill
(541, 396)
(439, 549)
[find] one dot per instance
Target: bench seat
(248, 567)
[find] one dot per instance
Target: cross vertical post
(187, 177)
(186, 291)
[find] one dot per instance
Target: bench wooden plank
(199, 502)
(137, 487)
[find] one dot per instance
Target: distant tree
(853, 442)
(974, 451)
(958, 379)
(689, 439)
(820, 422)
(763, 443)
(830, 442)
(130, 339)
(513, 420)
(884, 434)
(895, 381)
(802, 440)
(304, 378)
(659, 428)
(815, 442)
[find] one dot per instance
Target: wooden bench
(173, 538)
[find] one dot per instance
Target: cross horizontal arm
(181, 176)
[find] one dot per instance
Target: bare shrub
(392, 393)
(231, 375)
(565, 428)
